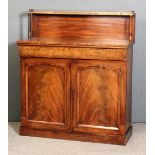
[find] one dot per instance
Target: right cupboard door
(98, 96)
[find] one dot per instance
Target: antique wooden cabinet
(76, 71)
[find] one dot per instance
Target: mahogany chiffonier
(76, 72)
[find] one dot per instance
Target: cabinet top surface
(74, 42)
(107, 13)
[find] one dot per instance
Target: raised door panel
(97, 95)
(46, 100)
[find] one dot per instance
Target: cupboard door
(98, 96)
(45, 93)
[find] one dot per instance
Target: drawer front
(73, 53)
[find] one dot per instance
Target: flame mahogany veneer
(76, 72)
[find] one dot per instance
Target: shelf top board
(107, 13)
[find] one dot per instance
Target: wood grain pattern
(47, 91)
(94, 27)
(73, 53)
(96, 95)
(50, 80)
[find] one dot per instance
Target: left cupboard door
(45, 93)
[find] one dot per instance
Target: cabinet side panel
(129, 88)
